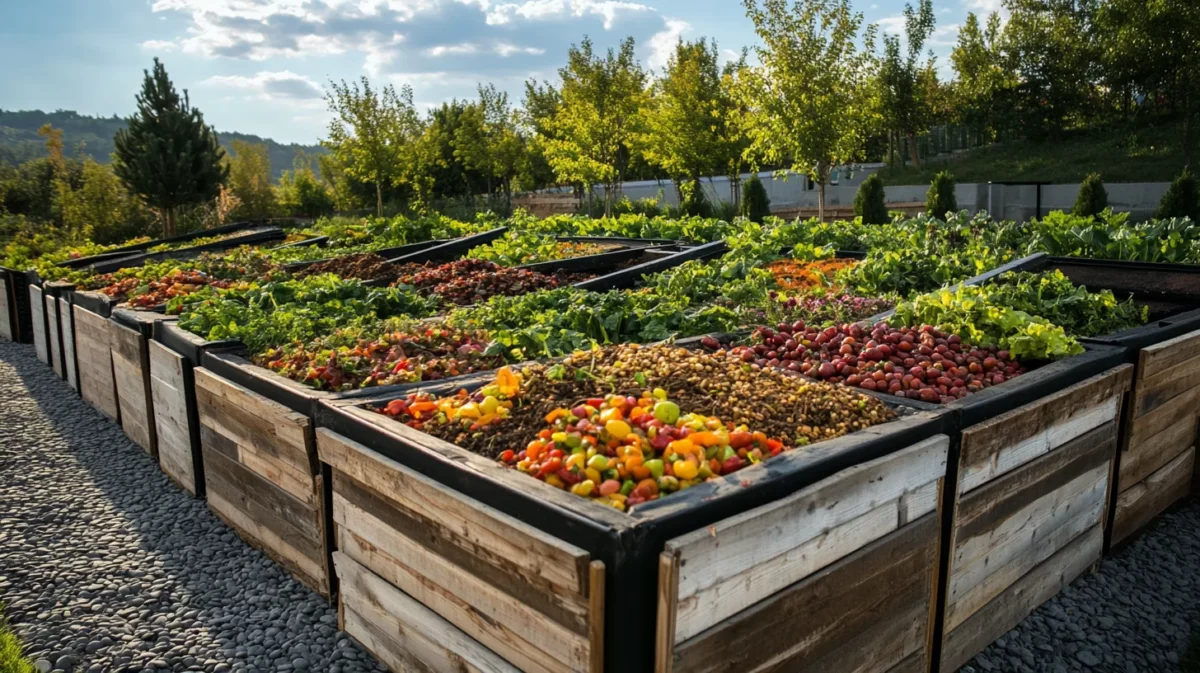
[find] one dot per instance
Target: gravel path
(107, 566)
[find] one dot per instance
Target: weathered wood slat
(1138, 505)
(1160, 357)
(167, 387)
(1035, 588)
(269, 428)
(56, 357)
(1182, 407)
(402, 633)
(66, 323)
(867, 613)
(1141, 459)
(130, 371)
(37, 309)
(735, 563)
(1152, 392)
(6, 311)
(93, 354)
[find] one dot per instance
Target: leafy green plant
(1053, 296)
(1182, 198)
(1092, 198)
(869, 201)
(755, 204)
(940, 199)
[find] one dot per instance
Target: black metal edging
(96, 302)
(450, 250)
(124, 251)
(263, 236)
(626, 278)
(401, 250)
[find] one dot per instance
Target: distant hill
(20, 142)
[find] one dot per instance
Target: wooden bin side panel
(168, 388)
(56, 357)
(822, 566)
(6, 312)
(94, 355)
(67, 325)
(532, 599)
(37, 309)
(258, 477)
(1139, 505)
(129, 376)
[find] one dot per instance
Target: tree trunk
(912, 148)
(379, 198)
(169, 225)
(820, 198)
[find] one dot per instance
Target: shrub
(1092, 199)
(940, 200)
(869, 202)
(755, 204)
(1182, 199)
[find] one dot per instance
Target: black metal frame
(250, 238)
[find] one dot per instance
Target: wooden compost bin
(41, 336)
(442, 552)
(66, 326)
(129, 338)
(52, 293)
(9, 325)
(93, 352)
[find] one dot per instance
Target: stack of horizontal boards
(1159, 436)
(172, 393)
(1032, 497)
(842, 575)
(8, 321)
(131, 377)
(93, 356)
(431, 579)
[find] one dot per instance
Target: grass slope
(1152, 154)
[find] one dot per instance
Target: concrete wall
(1009, 202)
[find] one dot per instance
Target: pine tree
(755, 204)
(940, 200)
(1182, 198)
(167, 155)
(869, 202)
(1092, 199)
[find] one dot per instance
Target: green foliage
(1182, 198)
(755, 204)
(906, 84)
(168, 156)
(1110, 236)
(869, 202)
(301, 194)
(1054, 297)
(12, 655)
(940, 200)
(250, 182)
(1092, 198)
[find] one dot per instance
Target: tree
(755, 204)
(940, 198)
(301, 194)
(1092, 198)
(372, 133)
(167, 155)
(250, 180)
(905, 82)
(598, 114)
(686, 120)
(487, 141)
(869, 202)
(809, 102)
(102, 209)
(981, 78)
(1182, 198)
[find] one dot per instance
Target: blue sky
(260, 66)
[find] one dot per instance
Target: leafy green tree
(167, 155)
(1092, 198)
(588, 136)
(755, 204)
(373, 133)
(809, 106)
(250, 181)
(982, 80)
(103, 208)
(487, 139)
(905, 81)
(869, 202)
(301, 193)
(940, 199)
(1182, 198)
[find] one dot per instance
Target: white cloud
(452, 49)
(505, 50)
(984, 6)
(543, 10)
(662, 44)
(891, 24)
(159, 45)
(274, 86)
(944, 36)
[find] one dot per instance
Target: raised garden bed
(252, 237)
(438, 529)
(93, 351)
(130, 332)
(9, 324)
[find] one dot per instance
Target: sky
(262, 66)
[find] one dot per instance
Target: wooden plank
(264, 500)
(978, 468)
(509, 627)
(175, 454)
(37, 309)
(866, 613)
(402, 633)
(255, 422)
(1139, 505)
(668, 600)
(66, 323)
(1021, 598)
(1035, 428)
(1142, 457)
(56, 358)
(94, 356)
(737, 562)
(6, 312)
(596, 581)
(496, 538)
(1153, 392)
(1179, 408)
(1160, 357)
(133, 395)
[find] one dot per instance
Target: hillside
(19, 140)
